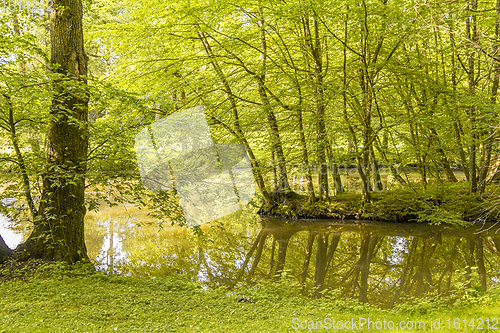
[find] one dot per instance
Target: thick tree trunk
(59, 227)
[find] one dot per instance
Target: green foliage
(429, 304)
(101, 303)
(436, 215)
(408, 101)
(437, 204)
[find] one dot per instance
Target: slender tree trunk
(19, 157)
(314, 50)
(471, 31)
(365, 192)
(237, 127)
(454, 109)
(494, 90)
(377, 181)
(276, 145)
(337, 181)
(394, 172)
(305, 157)
(442, 156)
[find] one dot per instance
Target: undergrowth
(60, 297)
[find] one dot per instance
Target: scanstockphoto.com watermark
(360, 323)
(33, 6)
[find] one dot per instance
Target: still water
(373, 262)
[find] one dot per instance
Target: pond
(374, 262)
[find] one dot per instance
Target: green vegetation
(79, 300)
(435, 204)
(325, 94)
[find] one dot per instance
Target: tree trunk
(59, 227)
(377, 181)
(314, 48)
(20, 160)
(305, 157)
(5, 251)
(276, 145)
(456, 123)
(472, 36)
(238, 132)
(337, 181)
(494, 90)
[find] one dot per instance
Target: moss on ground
(438, 203)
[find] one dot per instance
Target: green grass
(62, 300)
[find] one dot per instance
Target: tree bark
(305, 157)
(314, 47)
(5, 251)
(471, 32)
(238, 132)
(276, 146)
(494, 90)
(337, 181)
(59, 227)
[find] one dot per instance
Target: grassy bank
(56, 299)
(436, 204)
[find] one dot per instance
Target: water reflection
(11, 233)
(373, 262)
(382, 262)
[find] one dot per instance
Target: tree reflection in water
(373, 262)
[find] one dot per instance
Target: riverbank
(55, 298)
(448, 203)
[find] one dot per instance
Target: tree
(59, 221)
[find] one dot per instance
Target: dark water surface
(370, 261)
